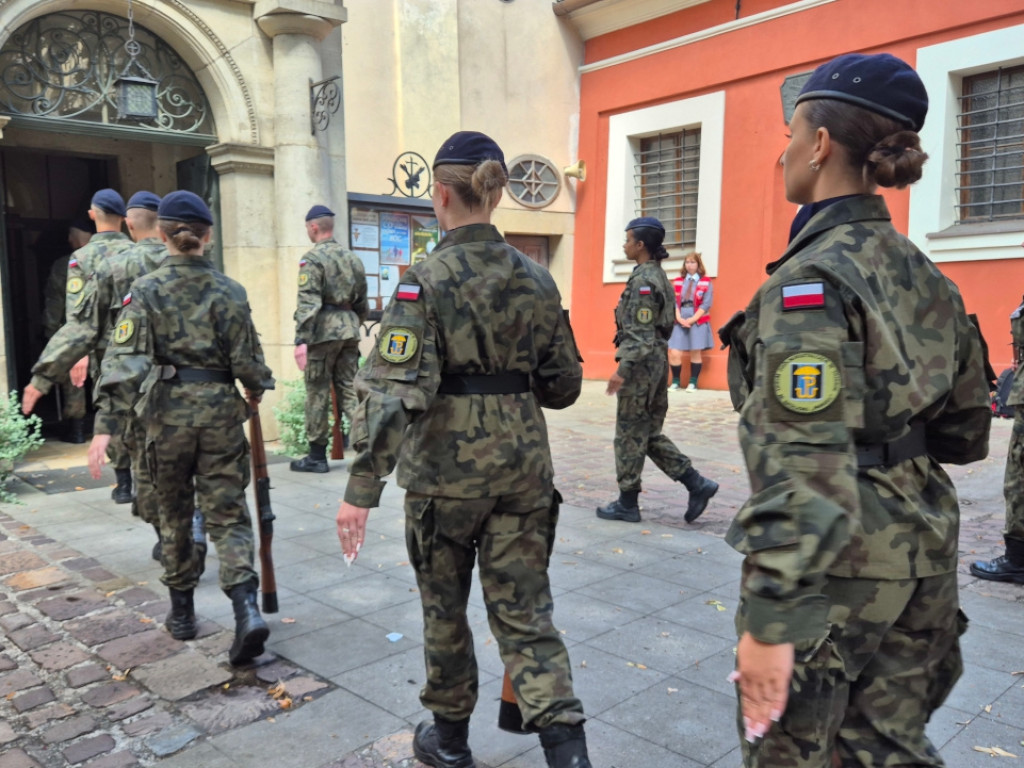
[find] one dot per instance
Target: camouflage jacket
(54, 297)
(332, 295)
(855, 337)
(474, 306)
(184, 314)
(1016, 397)
(644, 316)
(83, 263)
(99, 301)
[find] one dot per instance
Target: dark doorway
(44, 193)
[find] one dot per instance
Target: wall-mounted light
(136, 92)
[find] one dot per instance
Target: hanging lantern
(136, 88)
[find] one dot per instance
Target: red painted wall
(749, 65)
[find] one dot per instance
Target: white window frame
(624, 133)
(933, 200)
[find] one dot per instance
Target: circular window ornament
(533, 181)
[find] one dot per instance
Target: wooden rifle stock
(261, 480)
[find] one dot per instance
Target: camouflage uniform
(195, 443)
(1013, 481)
(331, 306)
(856, 371)
(477, 467)
(646, 312)
(54, 297)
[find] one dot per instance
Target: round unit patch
(645, 315)
(75, 284)
(124, 331)
(398, 345)
(303, 278)
(807, 382)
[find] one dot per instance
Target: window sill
(979, 228)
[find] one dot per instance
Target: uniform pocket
(815, 708)
(949, 668)
(420, 530)
(556, 502)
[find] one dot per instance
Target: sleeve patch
(398, 345)
(645, 315)
(124, 331)
(645, 290)
(803, 296)
(303, 278)
(408, 292)
(807, 382)
(127, 299)
(75, 285)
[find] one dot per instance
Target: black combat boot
(76, 431)
(158, 548)
(122, 493)
(443, 743)
(181, 621)
(251, 631)
(1008, 567)
(565, 746)
(199, 540)
(316, 461)
(625, 508)
(701, 490)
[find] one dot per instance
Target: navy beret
(469, 148)
(144, 199)
(646, 221)
(184, 206)
(318, 212)
(877, 82)
(108, 200)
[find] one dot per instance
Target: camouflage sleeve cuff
(105, 424)
(786, 621)
(624, 368)
(42, 383)
(363, 491)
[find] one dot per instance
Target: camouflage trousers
(862, 695)
(331, 362)
(208, 466)
(117, 450)
(640, 414)
(512, 537)
(1013, 479)
(145, 504)
(72, 399)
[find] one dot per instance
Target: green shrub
(291, 420)
(18, 435)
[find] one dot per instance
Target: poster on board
(365, 228)
(425, 236)
(371, 261)
(394, 238)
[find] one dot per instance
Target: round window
(533, 181)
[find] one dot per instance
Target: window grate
(990, 169)
(667, 179)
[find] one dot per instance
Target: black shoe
(251, 631)
(443, 744)
(181, 621)
(122, 493)
(309, 464)
(565, 746)
(617, 511)
(699, 498)
(199, 540)
(76, 432)
(1000, 569)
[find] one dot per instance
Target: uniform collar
(471, 233)
(108, 236)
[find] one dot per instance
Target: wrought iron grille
(667, 179)
(65, 65)
(990, 175)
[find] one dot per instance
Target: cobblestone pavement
(89, 677)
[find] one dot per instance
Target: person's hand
(764, 672)
(351, 529)
(614, 384)
(250, 396)
(300, 356)
(98, 455)
(79, 371)
(29, 398)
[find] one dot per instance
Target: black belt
(493, 384)
(214, 375)
(910, 446)
(686, 304)
(346, 306)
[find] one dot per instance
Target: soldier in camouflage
(177, 370)
(54, 296)
(856, 371)
(472, 346)
(64, 352)
(1010, 566)
(331, 307)
(643, 321)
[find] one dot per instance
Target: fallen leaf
(718, 605)
(287, 620)
(307, 698)
(583, 663)
(286, 703)
(700, 551)
(146, 620)
(271, 720)
(79, 488)
(988, 708)
(617, 550)
(404, 562)
(278, 691)
(109, 594)
(226, 686)
(994, 752)
(666, 535)
(666, 634)
(645, 533)
(1019, 672)
(641, 666)
(673, 690)
(630, 664)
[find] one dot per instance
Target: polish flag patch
(127, 299)
(302, 263)
(803, 296)
(73, 263)
(408, 292)
(645, 290)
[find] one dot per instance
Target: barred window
(667, 177)
(990, 176)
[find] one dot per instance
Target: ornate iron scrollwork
(324, 101)
(65, 65)
(415, 180)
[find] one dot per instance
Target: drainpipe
(565, 7)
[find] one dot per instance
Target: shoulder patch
(127, 299)
(803, 296)
(398, 345)
(645, 290)
(303, 278)
(75, 284)
(645, 315)
(124, 331)
(302, 263)
(73, 263)
(408, 292)
(807, 382)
